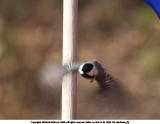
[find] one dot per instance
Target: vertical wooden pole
(69, 84)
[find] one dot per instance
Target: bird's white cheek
(80, 69)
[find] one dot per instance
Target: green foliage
(150, 58)
(143, 16)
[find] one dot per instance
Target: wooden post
(69, 83)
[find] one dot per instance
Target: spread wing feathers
(111, 94)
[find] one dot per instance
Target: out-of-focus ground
(122, 35)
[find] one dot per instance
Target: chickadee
(94, 70)
(111, 93)
(88, 70)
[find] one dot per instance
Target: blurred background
(122, 35)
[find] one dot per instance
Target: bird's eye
(87, 68)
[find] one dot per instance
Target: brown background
(122, 35)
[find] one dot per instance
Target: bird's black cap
(87, 67)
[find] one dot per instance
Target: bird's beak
(92, 79)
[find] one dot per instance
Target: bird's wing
(51, 75)
(111, 94)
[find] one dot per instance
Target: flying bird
(111, 93)
(111, 96)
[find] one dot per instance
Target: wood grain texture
(69, 84)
